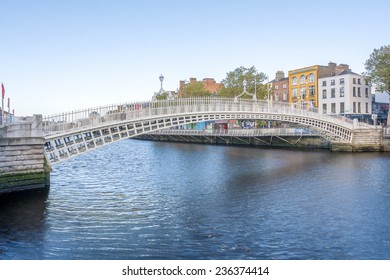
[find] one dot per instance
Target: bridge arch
(70, 134)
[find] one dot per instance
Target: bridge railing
(95, 116)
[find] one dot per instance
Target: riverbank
(271, 138)
(266, 141)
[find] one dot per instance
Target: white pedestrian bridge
(72, 133)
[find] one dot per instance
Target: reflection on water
(22, 223)
(146, 200)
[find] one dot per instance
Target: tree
(378, 70)
(233, 83)
(195, 89)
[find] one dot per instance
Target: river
(150, 200)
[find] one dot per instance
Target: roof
(345, 72)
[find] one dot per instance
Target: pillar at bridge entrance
(23, 165)
(363, 140)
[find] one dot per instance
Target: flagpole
(9, 112)
(2, 110)
(2, 103)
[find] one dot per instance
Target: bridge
(70, 134)
(30, 146)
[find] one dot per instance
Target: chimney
(332, 67)
(279, 75)
(344, 66)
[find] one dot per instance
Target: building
(209, 83)
(380, 106)
(303, 83)
(280, 87)
(345, 93)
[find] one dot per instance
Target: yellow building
(303, 83)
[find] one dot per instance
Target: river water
(148, 200)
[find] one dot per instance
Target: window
(359, 111)
(359, 83)
(311, 78)
(342, 107)
(276, 87)
(354, 81)
(284, 86)
(354, 107)
(294, 80)
(324, 83)
(366, 82)
(303, 92)
(285, 96)
(341, 81)
(333, 108)
(312, 90)
(295, 92)
(303, 79)
(366, 92)
(324, 108)
(332, 82)
(324, 93)
(332, 93)
(354, 91)
(276, 97)
(359, 93)
(342, 92)
(367, 108)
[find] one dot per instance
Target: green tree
(378, 68)
(196, 89)
(162, 96)
(233, 83)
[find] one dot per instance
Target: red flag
(2, 91)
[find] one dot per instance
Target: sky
(64, 55)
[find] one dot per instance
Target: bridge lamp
(244, 83)
(161, 81)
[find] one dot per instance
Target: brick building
(209, 83)
(280, 87)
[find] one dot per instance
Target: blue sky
(62, 55)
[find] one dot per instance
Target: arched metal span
(70, 134)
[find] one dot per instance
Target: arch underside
(63, 146)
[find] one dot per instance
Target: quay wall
(23, 165)
(267, 141)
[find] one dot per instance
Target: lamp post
(245, 83)
(161, 81)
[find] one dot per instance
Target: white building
(345, 93)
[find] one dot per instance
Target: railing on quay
(386, 131)
(151, 109)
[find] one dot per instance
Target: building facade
(303, 83)
(209, 84)
(345, 93)
(380, 106)
(280, 87)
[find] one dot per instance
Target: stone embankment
(22, 160)
(266, 141)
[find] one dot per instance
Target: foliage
(162, 96)
(378, 68)
(196, 89)
(233, 83)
